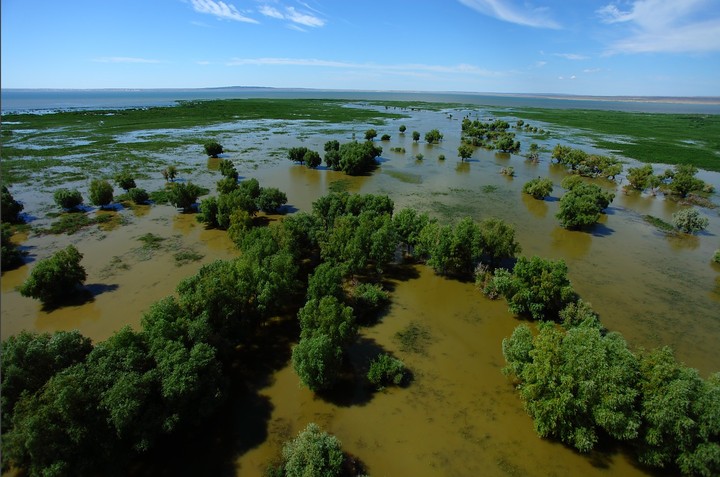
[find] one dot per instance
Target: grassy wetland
(458, 415)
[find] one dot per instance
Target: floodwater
(459, 416)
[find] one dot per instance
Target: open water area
(460, 416)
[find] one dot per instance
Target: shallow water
(460, 416)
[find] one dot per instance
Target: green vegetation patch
(405, 177)
(414, 338)
(186, 256)
(72, 222)
(659, 223)
(647, 137)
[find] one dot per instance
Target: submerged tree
(54, 279)
(213, 148)
(101, 193)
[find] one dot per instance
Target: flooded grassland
(460, 416)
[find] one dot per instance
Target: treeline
(582, 385)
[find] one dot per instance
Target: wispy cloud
(226, 11)
(591, 70)
(294, 16)
(521, 14)
(665, 26)
(409, 67)
(124, 59)
(572, 56)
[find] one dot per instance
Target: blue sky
(603, 47)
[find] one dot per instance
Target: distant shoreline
(711, 100)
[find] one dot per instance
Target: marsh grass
(405, 177)
(186, 256)
(71, 222)
(647, 137)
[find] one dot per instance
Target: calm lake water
(15, 100)
(460, 416)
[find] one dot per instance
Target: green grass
(186, 256)
(646, 137)
(659, 223)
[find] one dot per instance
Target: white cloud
(670, 26)
(504, 10)
(572, 56)
(271, 12)
(220, 9)
(591, 70)
(540, 64)
(303, 18)
(124, 59)
(294, 16)
(395, 68)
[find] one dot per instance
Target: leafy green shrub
(441, 157)
(385, 137)
(369, 299)
(582, 204)
(183, 196)
(227, 169)
(139, 196)
(10, 254)
(67, 199)
(539, 188)
(537, 288)
(101, 192)
(271, 199)
(689, 221)
(54, 278)
(716, 256)
(312, 159)
(9, 208)
(313, 453)
(385, 370)
(125, 180)
(213, 148)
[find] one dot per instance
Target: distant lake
(24, 100)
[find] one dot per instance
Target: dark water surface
(15, 100)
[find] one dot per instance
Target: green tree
(55, 278)
(100, 192)
(683, 180)
(317, 361)
(533, 154)
(11, 256)
(408, 225)
(582, 204)
(680, 416)
(213, 148)
(227, 169)
(313, 453)
(689, 221)
(169, 173)
(9, 208)
(576, 385)
(67, 198)
(271, 199)
(402, 129)
(357, 158)
(138, 195)
(30, 359)
(465, 151)
(183, 196)
(506, 143)
(326, 280)
(312, 159)
(497, 241)
(125, 180)
(370, 134)
(297, 154)
(385, 137)
(537, 288)
(416, 136)
(208, 212)
(639, 177)
(329, 317)
(538, 188)
(226, 185)
(433, 136)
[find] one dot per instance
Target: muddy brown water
(460, 415)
